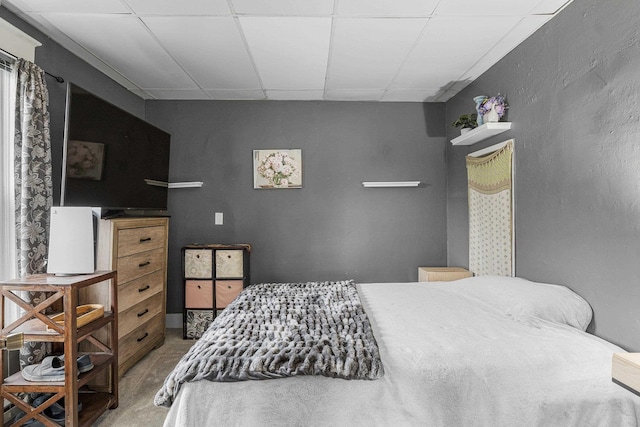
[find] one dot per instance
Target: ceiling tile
(178, 94)
(295, 95)
(76, 6)
(353, 95)
(182, 7)
(386, 7)
(401, 50)
(448, 48)
(290, 53)
(141, 93)
(485, 7)
(283, 7)
(425, 95)
(130, 49)
(236, 95)
(513, 38)
(367, 53)
(550, 6)
(199, 43)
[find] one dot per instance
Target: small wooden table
(625, 370)
(37, 326)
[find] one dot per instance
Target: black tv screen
(111, 156)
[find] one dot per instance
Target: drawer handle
(142, 313)
(144, 264)
(146, 334)
(228, 287)
(144, 289)
(145, 239)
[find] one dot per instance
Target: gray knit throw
(275, 330)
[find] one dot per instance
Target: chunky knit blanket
(280, 330)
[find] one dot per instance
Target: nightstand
(442, 274)
(625, 370)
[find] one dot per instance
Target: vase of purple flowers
(492, 109)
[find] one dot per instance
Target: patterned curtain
(491, 213)
(33, 188)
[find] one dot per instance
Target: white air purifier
(71, 241)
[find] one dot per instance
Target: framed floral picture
(277, 169)
(85, 160)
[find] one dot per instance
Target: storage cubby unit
(214, 275)
(37, 326)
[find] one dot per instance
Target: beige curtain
(491, 236)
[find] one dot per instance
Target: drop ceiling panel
(181, 7)
(289, 53)
(514, 37)
(295, 95)
(386, 8)
(284, 7)
(448, 48)
(550, 6)
(424, 95)
(210, 49)
(367, 53)
(177, 94)
(387, 50)
(485, 7)
(354, 95)
(130, 49)
(236, 95)
(76, 6)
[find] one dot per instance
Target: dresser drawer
(136, 240)
(140, 313)
(227, 291)
(139, 289)
(198, 294)
(198, 263)
(138, 265)
(229, 263)
(138, 340)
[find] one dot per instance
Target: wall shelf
(390, 184)
(186, 184)
(481, 133)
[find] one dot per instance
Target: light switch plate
(219, 218)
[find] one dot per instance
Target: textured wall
(574, 93)
(332, 228)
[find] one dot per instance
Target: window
(8, 261)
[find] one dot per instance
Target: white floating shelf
(481, 133)
(387, 184)
(186, 184)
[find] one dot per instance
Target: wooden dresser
(137, 249)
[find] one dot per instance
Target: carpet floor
(139, 386)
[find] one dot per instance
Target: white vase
(492, 116)
(464, 130)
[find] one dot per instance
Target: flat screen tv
(112, 159)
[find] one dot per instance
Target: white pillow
(518, 298)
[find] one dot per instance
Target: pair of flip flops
(52, 368)
(54, 412)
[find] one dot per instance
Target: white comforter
(483, 351)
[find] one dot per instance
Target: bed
(475, 352)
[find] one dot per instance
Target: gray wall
(573, 90)
(332, 228)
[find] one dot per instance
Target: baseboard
(174, 320)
